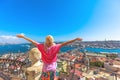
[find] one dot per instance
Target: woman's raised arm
(68, 42)
(28, 39)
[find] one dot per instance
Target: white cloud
(10, 39)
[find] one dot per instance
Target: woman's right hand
(20, 35)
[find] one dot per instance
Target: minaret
(86, 60)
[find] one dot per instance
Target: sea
(23, 48)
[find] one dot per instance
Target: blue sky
(64, 19)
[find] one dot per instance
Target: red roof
(72, 57)
(77, 65)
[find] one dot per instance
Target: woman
(49, 52)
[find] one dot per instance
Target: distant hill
(15, 48)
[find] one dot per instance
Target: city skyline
(65, 20)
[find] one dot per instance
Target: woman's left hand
(79, 39)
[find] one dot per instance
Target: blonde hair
(49, 38)
(34, 52)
